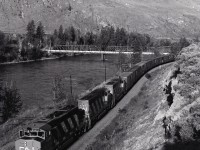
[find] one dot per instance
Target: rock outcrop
(183, 115)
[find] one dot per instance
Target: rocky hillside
(165, 115)
(161, 18)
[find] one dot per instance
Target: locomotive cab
(30, 139)
(32, 133)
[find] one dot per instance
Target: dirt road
(90, 136)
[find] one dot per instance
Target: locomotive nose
(26, 144)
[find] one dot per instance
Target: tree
(123, 37)
(55, 33)
(35, 53)
(31, 31)
(177, 46)
(89, 38)
(80, 41)
(2, 39)
(66, 35)
(112, 36)
(11, 99)
(54, 38)
(72, 34)
(60, 33)
(183, 42)
(104, 38)
(117, 37)
(40, 32)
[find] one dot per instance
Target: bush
(35, 53)
(11, 99)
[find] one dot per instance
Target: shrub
(11, 99)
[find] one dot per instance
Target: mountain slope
(160, 18)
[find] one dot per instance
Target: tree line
(109, 36)
(28, 46)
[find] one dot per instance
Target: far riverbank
(27, 61)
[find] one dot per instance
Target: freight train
(61, 128)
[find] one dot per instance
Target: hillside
(165, 115)
(160, 18)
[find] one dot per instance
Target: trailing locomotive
(61, 128)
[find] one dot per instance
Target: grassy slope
(157, 17)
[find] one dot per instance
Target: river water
(35, 79)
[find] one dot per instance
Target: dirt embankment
(166, 113)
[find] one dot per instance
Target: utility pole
(128, 37)
(105, 72)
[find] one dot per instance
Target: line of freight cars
(61, 128)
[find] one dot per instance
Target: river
(35, 79)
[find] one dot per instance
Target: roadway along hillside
(90, 136)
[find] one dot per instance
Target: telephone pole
(105, 72)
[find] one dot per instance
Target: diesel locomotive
(61, 128)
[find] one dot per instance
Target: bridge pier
(103, 56)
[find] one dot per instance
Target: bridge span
(93, 49)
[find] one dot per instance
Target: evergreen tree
(2, 38)
(80, 41)
(55, 33)
(123, 37)
(60, 33)
(54, 38)
(72, 34)
(112, 36)
(31, 31)
(89, 38)
(66, 36)
(104, 38)
(117, 37)
(40, 32)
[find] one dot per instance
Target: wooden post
(105, 72)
